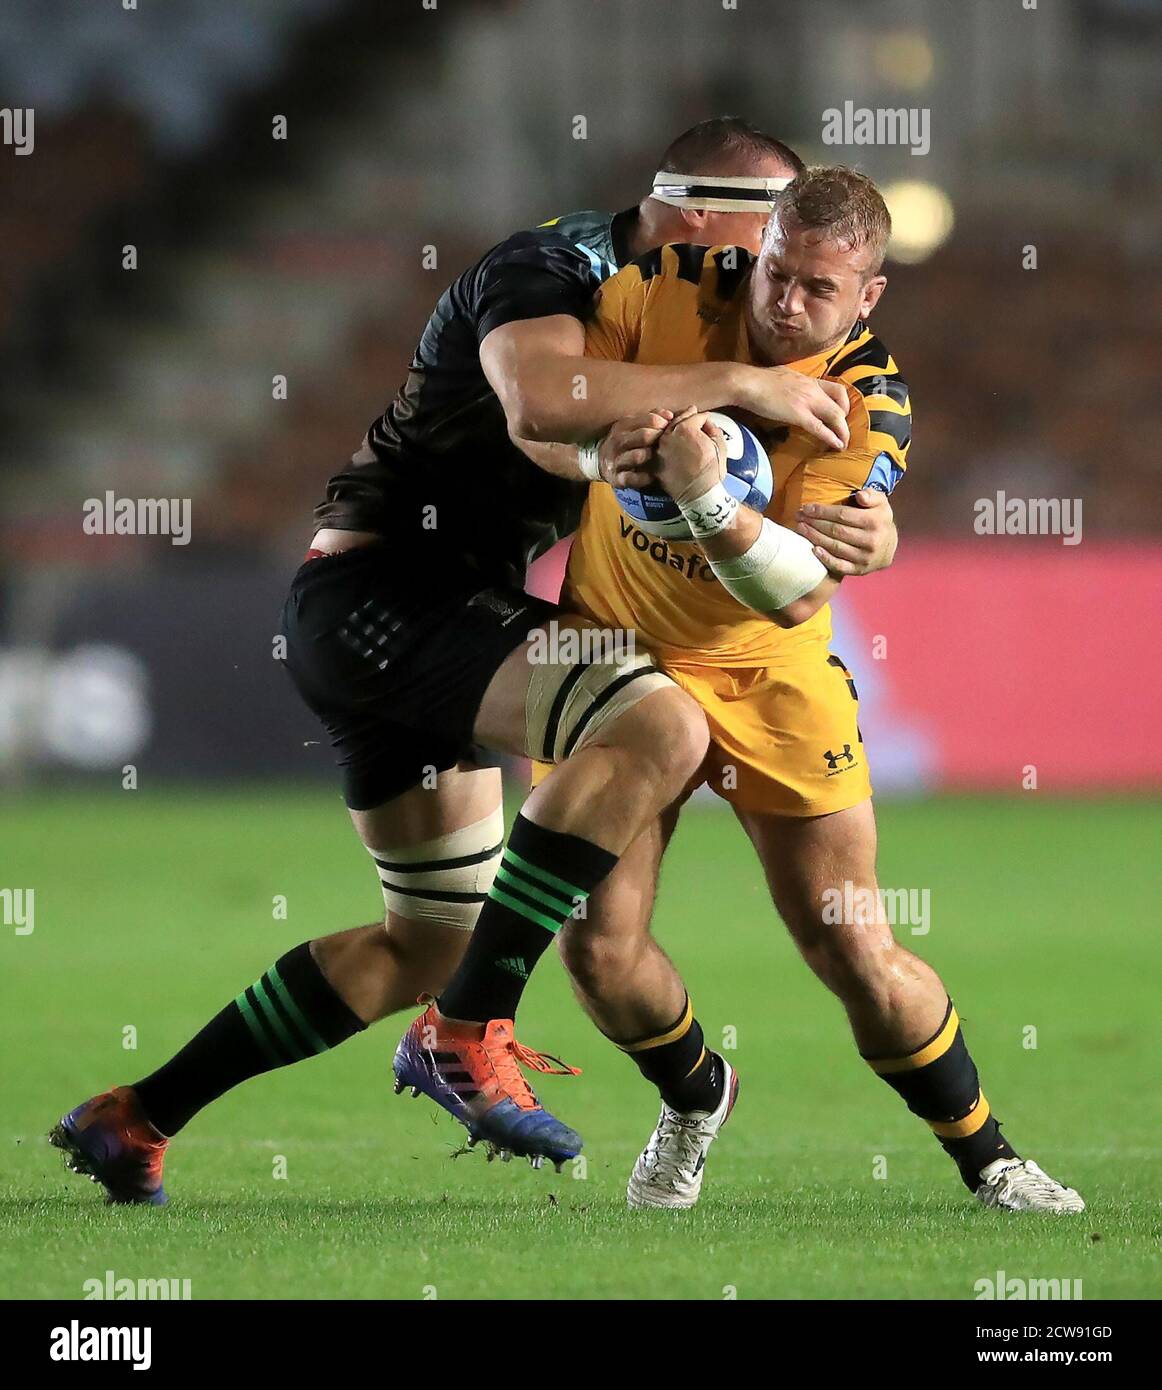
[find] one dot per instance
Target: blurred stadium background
(986, 664)
(412, 128)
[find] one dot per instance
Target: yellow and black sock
(687, 1074)
(289, 1014)
(939, 1083)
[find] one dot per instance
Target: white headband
(717, 192)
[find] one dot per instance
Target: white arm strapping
(589, 460)
(778, 569)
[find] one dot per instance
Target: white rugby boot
(669, 1170)
(1017, 1184)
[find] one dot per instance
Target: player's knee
(829, 965)
(595, 959)
(444, 881)
(667, 736)
(422, 960)
(856, 966)
(681, 733)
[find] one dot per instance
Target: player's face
(806, 292)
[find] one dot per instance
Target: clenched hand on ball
(855, 538)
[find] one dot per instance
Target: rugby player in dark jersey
(407, 631)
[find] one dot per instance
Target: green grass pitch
(153, 910)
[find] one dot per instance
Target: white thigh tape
(568, 705)
(445, 880)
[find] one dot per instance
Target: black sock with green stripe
(289, 1014)
(544, 876)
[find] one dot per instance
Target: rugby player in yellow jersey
(739, 619)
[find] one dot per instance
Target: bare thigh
(461, 796)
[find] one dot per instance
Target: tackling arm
(552, 392)
(625, 457)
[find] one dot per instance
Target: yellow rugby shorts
(784, 739)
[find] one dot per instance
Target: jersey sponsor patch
(692, 566)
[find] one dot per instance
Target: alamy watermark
(113, 1286)
(1002, 1286)
(852, 906)
(138, 516)
(881, 125)
(1002, 515)
(556, 644)
(78, 1343)
(18, 909)
(18, 128)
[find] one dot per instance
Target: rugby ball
(748, 477)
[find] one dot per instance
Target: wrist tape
(589, 460)
(710, 513)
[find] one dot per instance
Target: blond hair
(842, 203)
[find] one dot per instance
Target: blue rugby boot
(473, 1072)
(109, 1140)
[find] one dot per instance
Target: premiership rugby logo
(691, 566)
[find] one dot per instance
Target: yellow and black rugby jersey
(684, 304)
